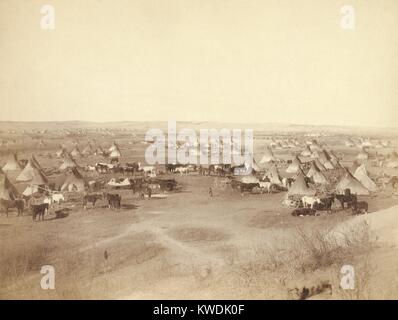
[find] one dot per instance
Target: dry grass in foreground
(307, 265)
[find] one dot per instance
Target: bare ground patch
(192, 234)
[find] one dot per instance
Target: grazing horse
(39, 210)
(19, 204)
(92, 198)
(360, 207)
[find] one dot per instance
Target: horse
(325, 204)
(92, 198)
(19, 204)
(89, 168)
(39, 210)
(181, 170)
(118, 169)
(267, 186)
(346, 198)
(287, 182)
(171, 167)
(57, 198)
(146, 169)
(114, 200)
(102, 167)
(310, 201)
(131, 167)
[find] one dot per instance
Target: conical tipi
(32, 174)
(69, 162)
(274, 175)
(295, 166)
(362, 176)
(88, 150)
(348, 181)
(7, 189)
(268, 156)
(74, 181)
(76, 152)
(393, 161)
(12, 164)
(316, 174)
(300, 186)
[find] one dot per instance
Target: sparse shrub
(307, 252)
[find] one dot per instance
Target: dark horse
(39, 210)
(92, 198)
(17, 203)
(348, 198)
(114, 200)
(325, 204)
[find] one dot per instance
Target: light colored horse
(182, 170)
(310, 201)
(57, 198)
(266, 186)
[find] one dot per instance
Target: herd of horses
(39, 206)
(39, 210)
(311, 205)
(136, 167)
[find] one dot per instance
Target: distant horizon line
(199, 122)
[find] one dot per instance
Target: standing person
(149, 190)
(210, 192)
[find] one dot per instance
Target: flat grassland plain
(188, 245)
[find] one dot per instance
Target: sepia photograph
(198, 150)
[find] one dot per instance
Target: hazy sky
(215, 60)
